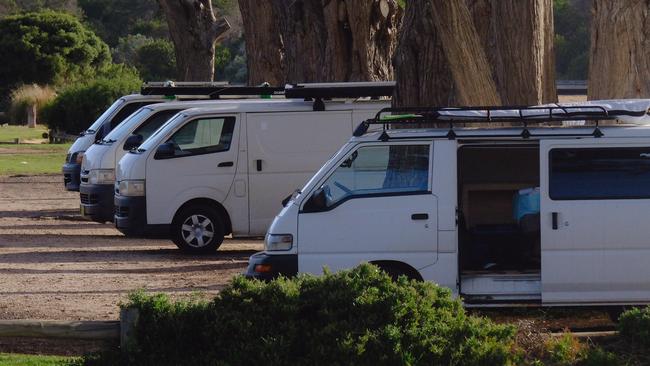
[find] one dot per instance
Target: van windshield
(107, 113)
(123, 129)
(167, 127)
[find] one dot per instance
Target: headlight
(274, 242)
(131, 188)
(101, 176)
(78, 157)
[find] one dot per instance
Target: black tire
(198, 229)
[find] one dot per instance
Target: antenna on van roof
(486, 115)
(214, 90)
(318, 92)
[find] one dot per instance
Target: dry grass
(27, 96)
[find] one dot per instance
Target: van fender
(210, 194)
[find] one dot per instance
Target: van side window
(126, 111)
(380, 170)
(154, 122)
(599, 173)
(204, 136)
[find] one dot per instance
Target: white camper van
(210, 172)
(98, 166)
(554, 212)
(122, 108)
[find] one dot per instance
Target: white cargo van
(555, 214)
(98, 166)
(210, 172)
(153, 92)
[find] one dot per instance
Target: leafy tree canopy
(48, 48)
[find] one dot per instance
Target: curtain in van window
(408, 167)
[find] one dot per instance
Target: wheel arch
(227, 224)
(386, 265)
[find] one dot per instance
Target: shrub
(156, 60)
(27, 96)
(565, 350)
(634, 326)
(77, 106)
(47, 48)
(356, 317)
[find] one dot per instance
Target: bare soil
(55, 265)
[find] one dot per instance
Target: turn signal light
(262, 268)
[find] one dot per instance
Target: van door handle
(225, 163)
(258, 162)
(420, 216)
(554, 220)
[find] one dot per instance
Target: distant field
(12, 359)
(9, 133)
(31, 159)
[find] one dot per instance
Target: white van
(98, 165)
(210, 172)
(152, 92)
(555, 214)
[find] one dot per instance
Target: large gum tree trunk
(326, 40)
(194, 29)
(619, 64)
(263, 43)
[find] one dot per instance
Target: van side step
(499, 288)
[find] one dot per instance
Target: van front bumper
(267, 267)
(71, 176)
(97, 201)
(130, 217)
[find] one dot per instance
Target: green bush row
(355, 317)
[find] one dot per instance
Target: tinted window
(202, 136)
(154, 122)
(388, 169)
(126, 111)
(611, 173)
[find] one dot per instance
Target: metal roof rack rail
(525, 115)
(214, 90)
(322, 91)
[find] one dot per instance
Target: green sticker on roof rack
(397, 117)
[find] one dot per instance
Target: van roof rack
(214, 90)
(322, 91)
(537, 115)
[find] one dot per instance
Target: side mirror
(133, 142)
(99, 134)
(318, 201)
(165, 151)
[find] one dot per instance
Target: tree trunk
(326, 40)
(263, 43)
(619, 65)
(440, 58)
(194, 29)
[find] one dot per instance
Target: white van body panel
(601, 249)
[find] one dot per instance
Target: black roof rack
(213, 90)
(371, 89)
(486, 115)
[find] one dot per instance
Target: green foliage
(565, 350)
(127, 47)
(356, 317)
(156, 60)
(79, 104)
(634, 326)
(230, 61)
(572, 38)
(25, 97)
(14, 359)
(47, 48)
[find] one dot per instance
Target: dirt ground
(56, 266)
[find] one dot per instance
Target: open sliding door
(595, 222)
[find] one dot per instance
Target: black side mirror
(317, 202)
(165, 151)
(133, 142)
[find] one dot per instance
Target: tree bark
(619, 64)
(322, 40)
(440, 58)
(194, 29)
(263, 43)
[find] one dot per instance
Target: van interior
(499, 222)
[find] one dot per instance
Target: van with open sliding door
(98, 166)
(150, 93)
(211, 172)
(551, 211)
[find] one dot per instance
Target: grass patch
(9, 133)
(32, 159)
(11, 359)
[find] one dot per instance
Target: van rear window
(599, 173)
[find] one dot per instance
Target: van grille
(122, 211)
(88, 199)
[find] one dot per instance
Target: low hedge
(355, 317)
(634, 326)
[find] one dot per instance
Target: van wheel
(394, 271)
(198, 229)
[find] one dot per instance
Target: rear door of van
(595, 228)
